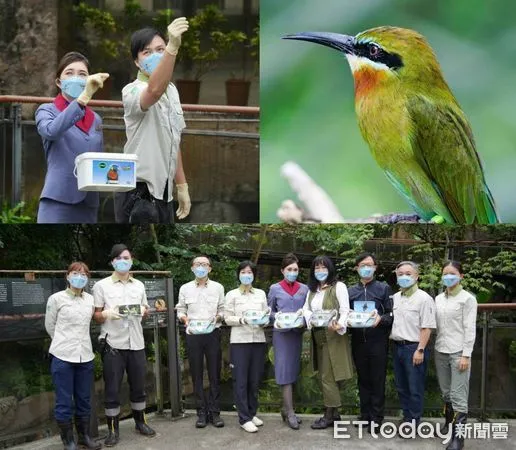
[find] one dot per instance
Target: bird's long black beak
(341, 42)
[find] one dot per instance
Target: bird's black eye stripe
(377, 54)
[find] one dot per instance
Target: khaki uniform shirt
(456, 321)
(111, 292)
(413, 310)
(200, 302)
(67, 321)
(154, 135)
(236, 303)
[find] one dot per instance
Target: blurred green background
(307, 96)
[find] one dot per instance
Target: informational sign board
(23, 305)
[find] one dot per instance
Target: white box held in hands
(105, 172)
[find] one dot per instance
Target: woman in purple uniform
(287, 296)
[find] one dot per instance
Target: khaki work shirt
(236, 303)
(200, 302)
(67, 321)
(154, 135)
(111, 292)
(456, 321)
(412, 310)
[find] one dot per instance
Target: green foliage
(208, 23)
(98, 367)
(15, 214)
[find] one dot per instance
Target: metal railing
(14, 118)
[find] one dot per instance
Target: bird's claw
(397, 218)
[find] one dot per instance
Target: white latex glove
(183, 198)
(175, 30)
(111, 314)
(93, 84)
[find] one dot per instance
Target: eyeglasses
(204, 264)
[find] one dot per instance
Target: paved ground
(182, 435)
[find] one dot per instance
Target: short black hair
(313, 282)
(117, 250)
(363, 256)
(455, 264)
(289, 259)
(245, 264)
(141, 38)
(201, 256)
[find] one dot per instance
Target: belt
(403, 342)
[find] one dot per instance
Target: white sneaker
(250, 427)
(257, 422)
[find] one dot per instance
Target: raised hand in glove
(175, 30)
(93, 84)
(183, 198)
(111, 314)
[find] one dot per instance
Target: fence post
(157, 367)
(173, 354)
(483, 380)
(16, 117)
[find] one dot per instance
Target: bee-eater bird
(414, 126)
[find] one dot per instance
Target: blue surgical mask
(122, 265)
(321, 276)
(200, 272)
(450, 280)
(149, 63)
(78, 281)
(405, 281)
(366, 271)
(246, 278)
(73, 86)
(291, 276)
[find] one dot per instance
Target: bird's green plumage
(418, 133)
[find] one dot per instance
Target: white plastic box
(106, 172)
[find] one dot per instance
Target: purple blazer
(62, 142)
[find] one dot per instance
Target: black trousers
(370, 360)
(247, 361)
(139, 206)
(116, 362)
(198, 347)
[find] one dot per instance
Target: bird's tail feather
(486, 210)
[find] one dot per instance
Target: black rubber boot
(113, 431)
(67, 435)
(82, 425)
(140, 424)
(457, 442)
(448, 416)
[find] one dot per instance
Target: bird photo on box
(414, 126)
(112, 174)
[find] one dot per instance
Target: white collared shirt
(341, 291)
(154, 135)
(236, 303)
(111, 292)
(456, 322)
(67, 321)
(200, 302)
(412, 310)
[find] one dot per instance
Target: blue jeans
(72, 382)
(410, 380)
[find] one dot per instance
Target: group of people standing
(407, 318)
(153, 120)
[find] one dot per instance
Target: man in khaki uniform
(203, 299)
(414, 319)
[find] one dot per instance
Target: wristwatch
(421, 350)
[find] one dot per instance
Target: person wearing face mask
(203, 299)
(247, 345)
(331, 352)
(287, 296)
(370, 346)
(455, 338)
(414, 320)
(154, 121)
(68, 127)
(67, 321)
(116, 298)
